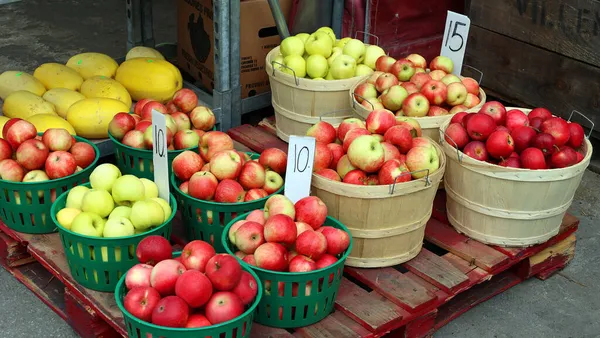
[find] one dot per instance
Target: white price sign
(160, 154)
(298, 174)
(454, 43)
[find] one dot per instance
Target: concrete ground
(34, 31)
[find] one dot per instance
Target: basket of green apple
(133, 138)
(193, 293)
(306, 91)
(298, 253)
(101, 223)
(35, 168)
(214, 187)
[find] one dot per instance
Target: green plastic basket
(137, 328)
(23, 209)
(279, 308)
(98, 263)
(138, 162)
(205, 220)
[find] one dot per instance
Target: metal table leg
(139, 23)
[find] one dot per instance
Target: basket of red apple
(512, 172)
(408, 88)
(133, 138)
(192, 293)
(100, 224)
(298, 253)
(35, 168)
(380, 182)
(220, 183)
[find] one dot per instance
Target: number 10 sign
(455, 39)
(298, 173)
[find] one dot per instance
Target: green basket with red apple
(98, 263)
(288, 306)
(137, 328)
(205, 220)
(25, 206)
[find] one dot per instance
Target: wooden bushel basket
(299, 103)
(387, 222)
(508, 206)
(430, 125)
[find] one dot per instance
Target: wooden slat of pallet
(437, 271)
(12, 252)
(336, 325)
(398, 288)
(478, 294)
(420, 327)
(439, 293)
(549, 260)
(446, 237)
(476, 275)
(260, 331)
(256, 138)
(85, 321)
(372, 310)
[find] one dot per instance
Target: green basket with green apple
(137, 328)
(98, 263)
(25, 206)
(295, 299)
(205, 220)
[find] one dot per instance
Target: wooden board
(255, 138)
(534, 76)
(567, 27)
(437, 271)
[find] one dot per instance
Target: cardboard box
(258, 35)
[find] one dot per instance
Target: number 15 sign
(455, 39)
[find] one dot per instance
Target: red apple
(274, 159)
(6, 150)
(141, 301)
(523, 137)
(203, 185)
(410, 87)
(350, 136)
(330, 174)
(564, 157)
(19, 132)
(476, 150)
(184, 139)
(194, 288)
(385, 81)
(212, 142)
(437, 111)
(471, 84)
(302, 263)
(197, 320)
(196, 254)
(558, 128)
(8, 124)
(365, 91)
(323, 132)
(300, 228)
(143, 125)
(185, 99)
(223, 306)
(246, 289)
(516, 118)
(311, 244)
(379, 121)
(255, 194)
(234, 228)
(373, 77)
(171, 311)
(435, 91)
(542, 113)
(511, 162)
(403, 69)
(224, 272)
(480, 126)
(153, 249)
(536, 123)
(83, 153)
(32, 154)
(355, 176)
(323, 157)
(391, 152)
(60, 164)
(347, 125)
(502, 128)
(337, 240)
(393, 170)
(533, 158)
(120, 124)
(420, 79)
(229, 191)
(187, 164)
(138, 276)
(134, 139)
(337, 151)
(139, 106)
(280, 229)
(249, 236)
(496, 110)
(146, 113)
(252, 175)
(10, 170)
(226, 164)
(384, 63)
(311, 210)
(165, 274)
(545, 142)
(400, 137)
(184, 187)
(577, 135)
(271, 256)
(183, 122)
(500, 144)
(203, 118)
(456, 135)
(279, 204)
(58, 139)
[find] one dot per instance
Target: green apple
(356, 49)
(342, 42)
(99, 202)
(318, 78)
(372, 53)
(319, 43)
(302, 36)
(292, 45)
(328, 31)
(344, 67)
(146, 214)
(140, 231)
(329, 76)
(88, 224)
(104, 176)
(277, 62)
(118, 227)
(150, 188)
(362, 70)
(127, 190)
(165, 206)
(317, 66)
(120, 211)
(75, 197)
(297, 63)
(66, 216)
(35, 176)
(336, 51)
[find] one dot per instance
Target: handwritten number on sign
(455, 33)
(297, 156)
(159, 136)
